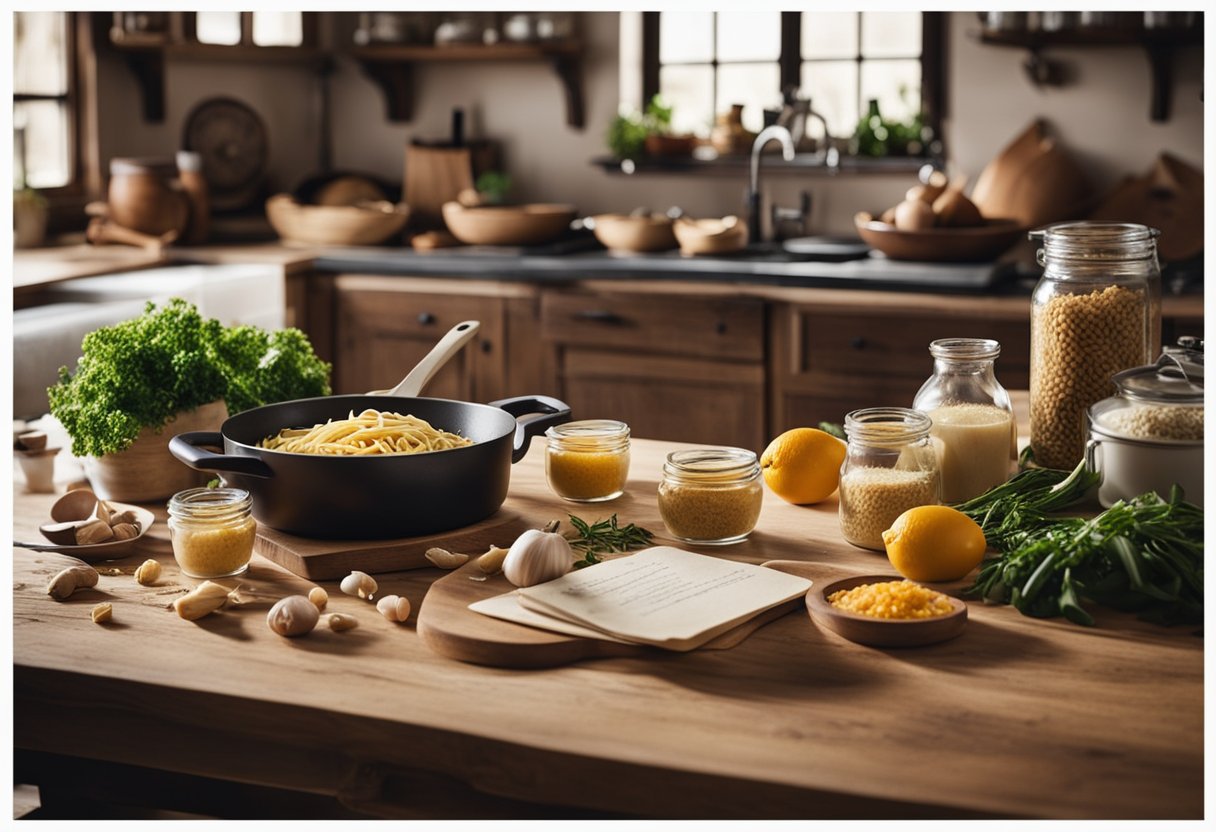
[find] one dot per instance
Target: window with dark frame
(703, 62)
(45, 141)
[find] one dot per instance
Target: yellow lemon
(803, 465)
(934, 543)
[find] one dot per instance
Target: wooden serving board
(447, 625)
(333, 559)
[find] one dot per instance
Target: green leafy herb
(605, 536)
(139, 373)
(494, 186)
(832, 428)
(1143, 555)
(627, 133)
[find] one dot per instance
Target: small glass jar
(889, 467)
(973, 425)
(1149, 435)
(1095, 312)
(711, 496)
(212, 531)
(588, 461)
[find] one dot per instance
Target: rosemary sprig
(594, 539)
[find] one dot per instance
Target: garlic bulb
(536, 557)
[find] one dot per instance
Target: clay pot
(146, 196)
(190, 173)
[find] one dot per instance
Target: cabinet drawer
(706, 327)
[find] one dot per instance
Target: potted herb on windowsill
(169, 371)
(648, 134)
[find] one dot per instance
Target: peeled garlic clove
(340, 621)
(445, 559)
(319, 597)
(536, 557)
(394, 608)
(102, 613)
(293, 616)
(81, 576)
(359, 583)
(204, 599)
(148, 573)
(491, 561)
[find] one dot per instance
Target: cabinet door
(381, 335)
(674, 398)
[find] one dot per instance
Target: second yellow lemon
(934, 543)
(803, 465)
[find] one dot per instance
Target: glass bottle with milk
(973, 424)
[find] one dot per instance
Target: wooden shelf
(1159, 46)
(736, 165)
(391, 67)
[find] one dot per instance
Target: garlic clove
(360, 584)
(536, 557)
(394, 608)
(293, 616)
(445, 559)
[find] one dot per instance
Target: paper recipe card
(664, 596)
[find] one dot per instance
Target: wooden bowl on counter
(364, 224)
(940, 245)
(882, 632)
(631, 233)
(711, 236)
(508, 225)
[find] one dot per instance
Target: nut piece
(340, 621)
(124, 531)
(127, 516)
(148, 572)
(71, 579)
(96, 531)
(103, 612)
(103, 512)
(204, 599)
(319, 597)
(359, 583)
(293, 616)
(491, 561)
(394, 608)
(445, 559)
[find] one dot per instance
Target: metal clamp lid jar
(1096, 311)
(889, 467)
(1149, 435)
(212, 531)
(588, 461)
(711, 496)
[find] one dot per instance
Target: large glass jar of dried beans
(1095, 312)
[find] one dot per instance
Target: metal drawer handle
(603, 316)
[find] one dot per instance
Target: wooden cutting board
(334, 559)
(447, 625)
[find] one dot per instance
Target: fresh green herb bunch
(1143, 555)
(139, 373)
(594, 539)
(627, 133)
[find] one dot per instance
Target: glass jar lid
(1096, 241)
(712, 465)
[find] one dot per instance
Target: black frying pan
(371, 497)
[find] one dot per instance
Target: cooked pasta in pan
(371, 432)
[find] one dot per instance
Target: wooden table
(1017, 717)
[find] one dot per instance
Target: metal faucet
(766, 135)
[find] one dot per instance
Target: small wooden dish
(621, 232)
(882, 632)
(710, 236)
(365, 224)
(93, 552)
(508, 225)
(952, 245)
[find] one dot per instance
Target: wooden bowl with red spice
(884, 632)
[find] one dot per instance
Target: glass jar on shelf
(711, 496)
(973, 425)
(890, 466)
(1095, 312)
(588, 461)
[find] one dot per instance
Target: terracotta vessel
(145, 195)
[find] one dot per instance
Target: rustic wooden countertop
(1016, 717)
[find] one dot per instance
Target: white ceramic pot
(1131, 467)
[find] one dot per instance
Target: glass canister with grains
(1095, 312)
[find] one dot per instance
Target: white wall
(1103, 117)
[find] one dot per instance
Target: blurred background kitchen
(349, 91)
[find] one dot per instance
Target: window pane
(45, 143)
(832, 86)
(278, 28)
(686, 37)
(829, 34)
(218, 27)
(896, 85)
(890, 34)
(755, 86)
(40, 64)
(749, 36)
(690, 92)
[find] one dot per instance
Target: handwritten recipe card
(662, 596)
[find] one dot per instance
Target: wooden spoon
(75, 505)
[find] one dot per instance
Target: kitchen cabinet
(681, 367)
(382, 327)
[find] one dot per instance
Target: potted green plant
(636, 134)
(168, 371)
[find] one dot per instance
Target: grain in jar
(711, 496)
(588, 461)
(890, 466)
(1094, 314)
(212, 531)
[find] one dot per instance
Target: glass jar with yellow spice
(711, 496)
(212, 531)
(588, 461)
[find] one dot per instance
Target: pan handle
(546, 411)
(185, 446)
